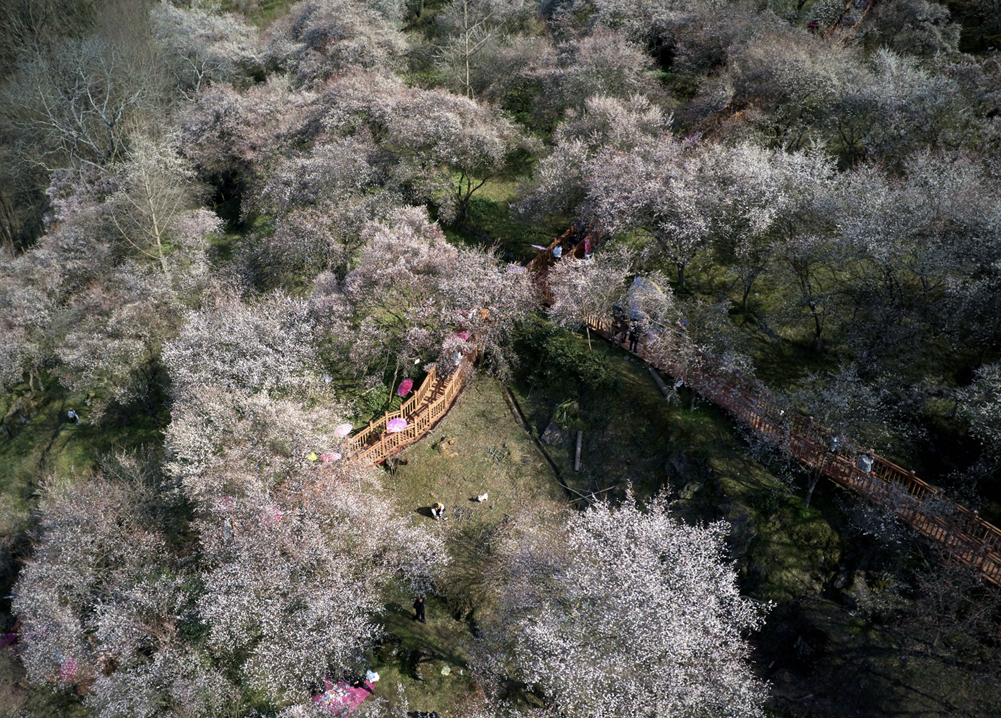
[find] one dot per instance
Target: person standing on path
(419, 610)
(634, 337)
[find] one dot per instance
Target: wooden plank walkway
(966, 536)
(374, 444)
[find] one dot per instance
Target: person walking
(634, 337)
(419, 610)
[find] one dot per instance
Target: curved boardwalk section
(374, 444)
(967, 537)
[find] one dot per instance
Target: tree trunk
(809, 491)
(468, 30)
(818, 328)
(813, 482)
(32, 375)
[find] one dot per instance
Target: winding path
(966, 536)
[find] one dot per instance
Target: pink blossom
(67, 671)
(396, 425)
(405, 386)
(272, 515)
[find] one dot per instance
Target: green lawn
(477, 448)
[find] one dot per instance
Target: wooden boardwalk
(966, 536)
(374, 444)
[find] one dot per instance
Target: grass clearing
(477, 448)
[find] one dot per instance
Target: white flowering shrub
(624, 612)
(203, 47)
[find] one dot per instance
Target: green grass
(643, 441)
(477, 448)
(270, 10)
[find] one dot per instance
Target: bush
(560, 364)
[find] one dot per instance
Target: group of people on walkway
(572, 248)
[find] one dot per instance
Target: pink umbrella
(332, 456)
(464, 336)
(538, 247)
(396, 425)
(405, 386)
(342, 430)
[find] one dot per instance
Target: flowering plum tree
(585, 288)
(223, 130)
(105, 602)
(321, 37)
(244, 349)
(295, 577)
(203, 47)
(914, 27)
(602, 64)
(768, 195)
(982, 407)
(639, 20)
(624, 612)
(662, 191)
(412, 290)
(434, 130)
(606, 126)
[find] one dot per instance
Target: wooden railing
(374, 444)
(967, 537)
